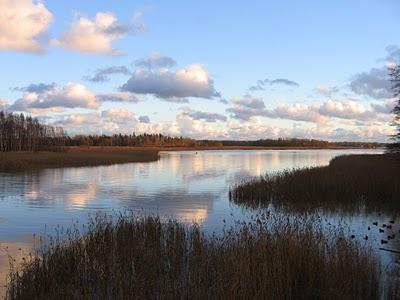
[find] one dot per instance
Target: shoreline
(90, 156)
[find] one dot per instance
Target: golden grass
(146, 258)
(348, 182)
(74, 157)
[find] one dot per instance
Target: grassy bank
(73, 157)
(146, 258)
(348, 182)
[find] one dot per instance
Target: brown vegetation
(146, 258)
(349, 182)
(73, 157)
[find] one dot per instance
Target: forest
(24, 133)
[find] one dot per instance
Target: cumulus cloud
(172, 84)
(42, 97)
(36, 88)
(118, 97)
(386, 107)
(156, 60)
(96, 35)
(82, 121)
(326, 90)
(118, 115)
(185, 125)
(71, 95)
(263, 83)
(320, 113)
(246, 108)
(206, 116)
(107, 121)
(299, 112)
(284, 81)
(335, 133)
(119, 120)
(144, 119)
(122, 121)
(3, 104)
(375, 83)
(102, 75)
(351, 110)
(393, 56)
(23, 24)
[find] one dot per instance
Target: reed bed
(73, 157)
(354, 182)
(148, 258)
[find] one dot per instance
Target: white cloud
(262, 84)
(169, 84)
(3, 104)
(156, 60)
(39, 98)
(102, 75)
(118, 97)
(113, 121)
(96, 35)
(375, 83)
(300, 112)
(253, 130)
(71, 95)
(205, 116)
(326, 90)
(385, 108)
(246, 108)
(393, 56)
(346, 110)
(144, 119)
(22, 25)
(319, 113)
(120, 116)
(107, 121)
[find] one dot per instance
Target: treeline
(293, 142)
(24, 133)
(137, 140)
(168, 141)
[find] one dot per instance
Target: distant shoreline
(255, 148)
(83, 156)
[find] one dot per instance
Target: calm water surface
(188, 185)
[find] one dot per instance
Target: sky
(203, 69)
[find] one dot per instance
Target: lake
(188, 185)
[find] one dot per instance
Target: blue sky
(206, 69)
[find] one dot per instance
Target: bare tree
(395, 79)
(24, 133)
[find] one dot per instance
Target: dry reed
(147, 258)
(76, 157)
(353, 182)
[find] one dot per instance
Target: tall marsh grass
(147, 258)
(73, 157)
(370, 182)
